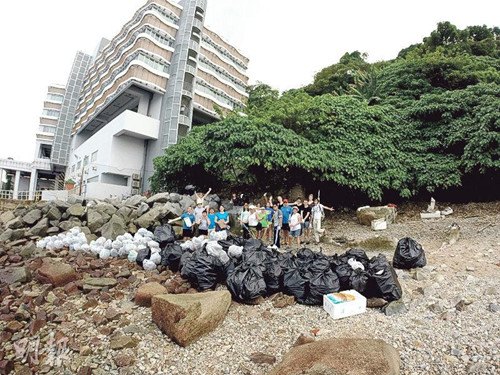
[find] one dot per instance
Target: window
(55, 98)
(79, 165)
(73, 168)
(50, 113)
(93, 157)
(93, 179)
(86, 161)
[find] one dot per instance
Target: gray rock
(7, 216)
(174, 208)
(52, 231)
(228, 205)
(160, 198)
(28, 250)
(395, 308)
(174, 197)
(61, 205)
(186, 202)
(100, 282)
(12, 235)
(494, 308)
(125, 213)
(6, 235)
(113, 228)
(149, 218)
(76, 210)
(53, 213)
(367, 214)
(214, 205)
(70, 223)
(15, 275)
(40, 229)
(15, 223)
(142, 209)
(105, 208)
(438, 307)
(134, 201)
(95, 219)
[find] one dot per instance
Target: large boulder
(134, 200)
(70, 223)
(160, 198)
(142, 209)
(147, 291)
(154, 215)
(12, 235)
(365, 215)
(340, 357)
(61, 205)
(53, 213)
(187, 317)
(76, 210)
(40, 229)
(95, 219)
(126, 213)
(115, 227)
(55, 273)
(174, 197)
(32, 216)
(174, 208)
(15, 223)
(105, 208)
(6, 217)
(186, 202)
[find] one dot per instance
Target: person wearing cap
(287, 212)
(295, 224)
(277, 223)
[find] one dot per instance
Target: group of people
(282, 222)
(279, 222)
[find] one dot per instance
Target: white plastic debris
(214, 249)
(148, 265)
(132, 256)
(218, 236)
(235, 251)
(155, 258)
(355, 264)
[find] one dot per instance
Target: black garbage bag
(409, 254)
(357, 254)
(359, 281)
(344, 272)
(171, 256)
(164, 235)
(286, 260)
(143, 255)
(253, 244)
(308, 282)
(202, 269)
(272, 274)
(321, 283)
(383, 281)
(296, 283)
(246, 282)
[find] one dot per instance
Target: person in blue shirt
(287, 212)
(188, 220)
(222, 219)
(212, 217)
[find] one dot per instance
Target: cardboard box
(344, 304)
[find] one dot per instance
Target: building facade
(142, 91)
(164, 73)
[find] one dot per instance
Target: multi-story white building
(164, 73)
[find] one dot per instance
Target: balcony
(191, 70)
(184, 120)
(135, 125)
(193, 45)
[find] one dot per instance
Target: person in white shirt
(253, 221)
(295, 225)
(317, 214)
(244, 214)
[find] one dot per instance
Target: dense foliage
(428, 120)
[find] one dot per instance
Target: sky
(287, 41)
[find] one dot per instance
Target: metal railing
(21, 195)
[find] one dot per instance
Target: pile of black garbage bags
(250, 270)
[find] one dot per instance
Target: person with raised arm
(317, 214)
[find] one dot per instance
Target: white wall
(50, 195)
(155, 106)
(119, 146)
(98, 190)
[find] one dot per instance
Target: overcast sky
(287, 41)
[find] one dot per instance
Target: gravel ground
(436, 336)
